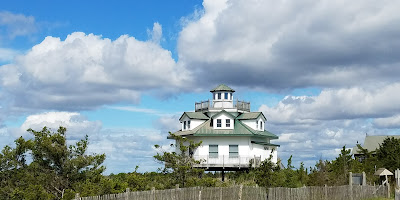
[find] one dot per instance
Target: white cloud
(124, 147)
(86, 71)
(17, 24)
(388, 122)
(7, 55)
(156, 33)
(311, 127)
(293, 44)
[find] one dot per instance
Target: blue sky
(324, 73)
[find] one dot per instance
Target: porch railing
(228, 161)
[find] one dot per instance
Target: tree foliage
(54, 168)
(180, 162)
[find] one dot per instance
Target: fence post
(127, 193)
(240, 192)
(364, 179)
(397, 194)
(153, 192)
(77, 197)
(220, 193)
(350, 185)
(326, 192)
(199, 193)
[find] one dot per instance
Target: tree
(55, 167)
(180, 163)
(388, 154)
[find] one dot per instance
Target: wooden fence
(251, 193)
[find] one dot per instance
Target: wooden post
(177, 186)
(77, 197)
(127, 193)
(153, 193)
(350, 185)
(240, 192)
(223, 175)
(364, 179)
(200, 194)
(326, 192)
(397, 194)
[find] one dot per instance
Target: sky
(324, 73)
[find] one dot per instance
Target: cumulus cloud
(285, 44)
(317, 127)
(86, 71)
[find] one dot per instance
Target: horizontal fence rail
(345, 192)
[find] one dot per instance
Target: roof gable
(222, 87)
(194, 115)
(223, 112)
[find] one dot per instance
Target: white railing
(206, 105)
(228, 161)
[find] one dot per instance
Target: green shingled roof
(250, 115)
(195, 115)
(240, 129)
(222, 87)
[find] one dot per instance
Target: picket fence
(345, 192)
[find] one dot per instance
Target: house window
(233, 151)
(219, 95)
(256, 124)
(228, 123)
(261, 125)
(188, 124)
(213, 151)
(231, 96)
(184, 125)
(226, 95)
(219, 123)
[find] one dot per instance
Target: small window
(261, 125)
(219, 95)
(184, 125)
(233, 151)
(231, 96)
(226, 95)
(219, 123)
(213, 151)
(228, 123)
(188, 124)
(256, 124)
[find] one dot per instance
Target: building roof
(240, 129)
(250, 115)
(383, 172)
(372, 142)
(222, 87)
(194, 115)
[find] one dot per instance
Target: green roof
(240, 129)
(250, 115)
(371, 143)
(222, 87)
(195, 115)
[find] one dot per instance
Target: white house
(232, 136)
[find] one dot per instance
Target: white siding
(223, 117)
(193, 123)
(246, 148)
(252, 123)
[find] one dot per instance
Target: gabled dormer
(190, 120)
(255, 120)
(223, 120)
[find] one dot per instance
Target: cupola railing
(208, 105)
